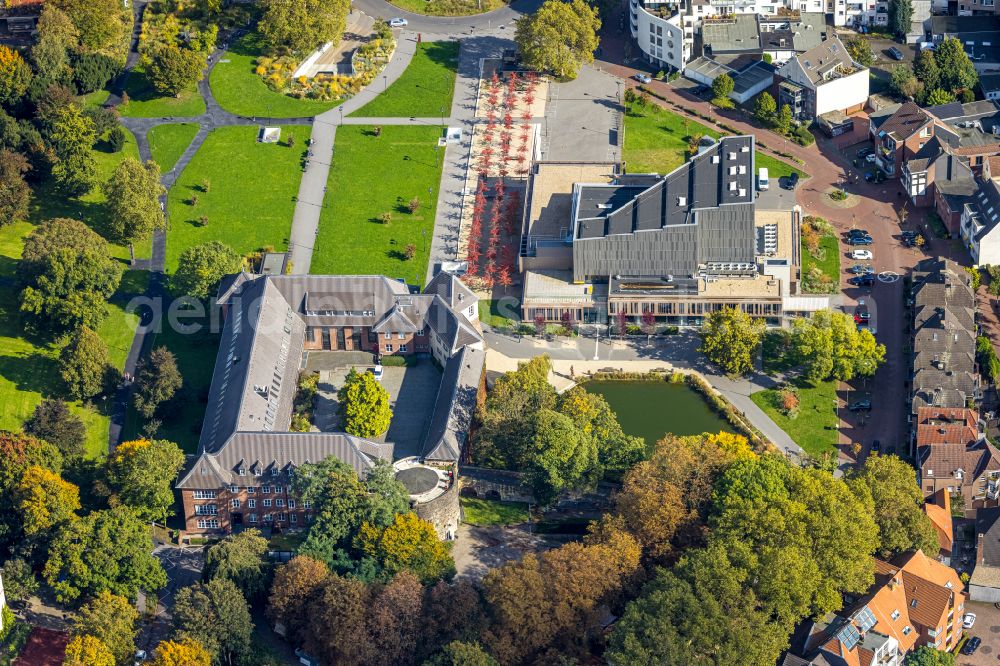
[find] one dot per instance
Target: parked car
(377, 371)
(858, 232)
(870, 158)
(866, 151)
(861, 269)
(861, 313)
(699, 90)
(398, 23)
(860, 406)
(895, 53)
(971, 645)
(861, 255)
(862, 280)
(792, 181)
(969, 620)
(859, 240)
(642, 78)
(876, 446)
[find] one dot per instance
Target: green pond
(652, 409)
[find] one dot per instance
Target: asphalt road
(497, 20)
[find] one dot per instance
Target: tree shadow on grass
(33, 372)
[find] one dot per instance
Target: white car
(861, 255)
(377, 372)
(970, 619)
(642, 78)
(398, 23)
(870, 158)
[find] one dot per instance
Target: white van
(762, 181)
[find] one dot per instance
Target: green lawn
(815, 427)
(490, 312)
(94, 99)
(370, 176)
(656, 139)
(251, 197)
(29, 367)
(168, 143)
(449, 7)
(183, 416)
(11, 244)
(656, 142)
(424, 90)
(775, 168)
(89, 208)
(829, 262)
(490, 512)
(146, 102)
(238, 89)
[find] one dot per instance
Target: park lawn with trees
(11, 245)
(168, 142)
(238, 89)
(402, 161)
(195, 353)
(29, 367)
(814, 428)
(146, 102)
(657, 141)
(266, 183)
(427, 85)
(484, 512)
(48, 204)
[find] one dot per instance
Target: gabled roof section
(450, 288)
(455, 405)
(395, 321)
(905, 122)
(822, 60)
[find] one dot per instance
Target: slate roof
(986, 203)
(950, 25)
(455, 405)
(988, 525)
(281, 451)
(989, 82)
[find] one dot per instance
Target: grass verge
(482, 512)
(828, 264)
(490, 313)
(424, 90)
(239, 90)
(146, 102)
(448, 7)
(248, 207)
(775, 168)
(815, 427)
(372, 175)
(168, 142)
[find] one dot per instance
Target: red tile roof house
(914, 601)
(952, 456)
(937, 507)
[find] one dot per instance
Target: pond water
(652, 409)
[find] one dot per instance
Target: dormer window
(243, 471)
(257, 472)
(274, 471)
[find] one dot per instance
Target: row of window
(276, 517)
(402, 348)
(274, 472)
(250, 490)
(252, 504)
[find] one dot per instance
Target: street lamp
(385, 82)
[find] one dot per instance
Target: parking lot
(987, 627)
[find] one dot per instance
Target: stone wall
(443, 512)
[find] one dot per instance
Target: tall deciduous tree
(563, 457)
(591, 413)
(730, 339)
(142, 474)
(900, 16)
(53, 422)
(294, 594)
(409, 544)
(559, 37)
(860, 50)
(57, 37)
(926, 655)
(15, 194)
(765, 107)
(722, 86)
(84, 364)
(957, 70)
(904, 82)
(133, 193)
(300, 26)
(173, 69)
(926, 69)
(19, 580)
(15, 76)
(185, 652)
(201, 267)
(830, 346)
(216, 615)
(72, 135)
(111, 619)
(783, 121)
(105, 550)
(338, 621)
(103, 25)
(458, 653)
(18, 453)
(364, 405)
(88, 651)
(902, 523)
(157, 380)
(240, 558)
(45, 500)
